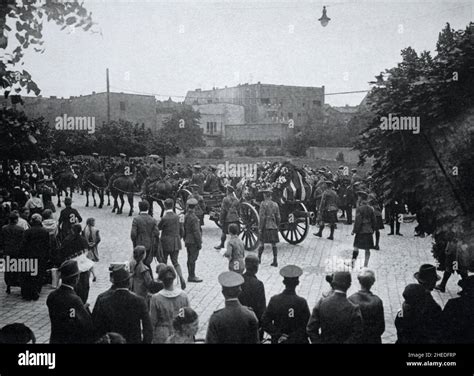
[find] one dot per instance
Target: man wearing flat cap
(287, 313)
(70, 319)
(230, 209)
(334, 318)
(123, 312)
(192, 239)
(234, 323)
(327, 212)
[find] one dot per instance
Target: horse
(94, 181)
(125, 185)
(159, 190)
(64, 180)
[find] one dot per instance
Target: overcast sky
(169, 47)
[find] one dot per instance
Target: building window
(208, 125)
(122, 106)
(316, 102)
(265, 100)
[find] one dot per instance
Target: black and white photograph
(246, 172)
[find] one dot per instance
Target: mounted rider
(122, 168)
(212, 183)
(62, 165)
(155, 171)
(198, 178)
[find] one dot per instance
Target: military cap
(197, 165)
(123, 155)
(291, 271)
(328, 182)
(230, 279)
(354, 170)
(265, 190)
(62, 153)
(321, 171)
(114, 266)
(95, 154)
(154, 156)
(192, 201)
(341, 167)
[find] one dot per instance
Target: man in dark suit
(235, 323)
(253, 290)
(171, 233)
(287, 313)
(70, 319)
(335, 319)
(458, 315)
(371, 308)
(145, 232)
(122, 312)
(192, 239)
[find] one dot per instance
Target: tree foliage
(21, 27)
(182, 130)
(434, 168)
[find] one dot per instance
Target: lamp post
(324, 18)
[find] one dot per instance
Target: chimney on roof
(93, 92)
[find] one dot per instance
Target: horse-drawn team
(303, 195)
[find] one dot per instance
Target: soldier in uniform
(62, 164)
(122, 168)
(155, 171)
(192, 239)
(198, 178)
(235, 323)
(229, 214)
(287, 314)
(269, 222)
(212, 181)
(201, 206)
(327, 212)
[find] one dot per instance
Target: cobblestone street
(398, 258)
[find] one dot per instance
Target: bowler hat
(120, 275)
(230, 279)
(69, 268)
(427, 272)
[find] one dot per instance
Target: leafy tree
(21, 27)
(182, 130)
(21, 138)
(440, 91)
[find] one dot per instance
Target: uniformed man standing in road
(198, 178)
(192, 239)
(287, 314)
(327, 212)
(201, 206)
(269, 222)
(235, 323)
(229, 214)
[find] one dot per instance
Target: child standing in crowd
(235, 251)
(141, 274)
(91, 233)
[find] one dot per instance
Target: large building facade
(137, 109)
(267, 109)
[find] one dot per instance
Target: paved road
(394, 264)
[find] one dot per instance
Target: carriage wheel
(249, 222)
(181, 199)
(296, 231)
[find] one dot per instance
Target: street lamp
(324, 18)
